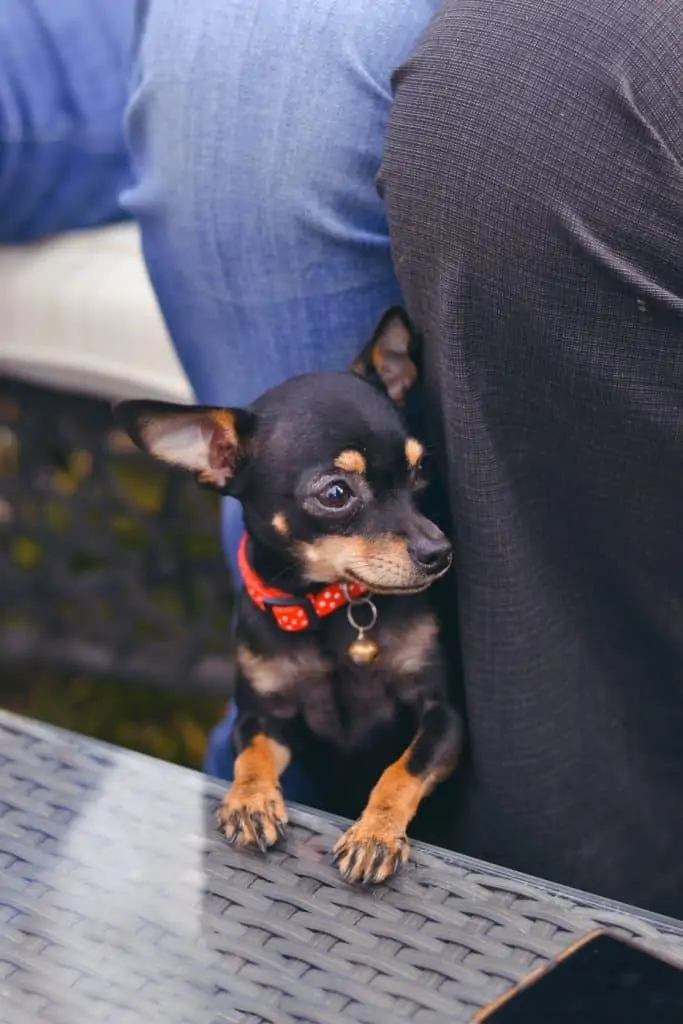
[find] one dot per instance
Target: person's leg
(65, 68)
(256, 131)
(533, 175)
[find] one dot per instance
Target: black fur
(345, 729)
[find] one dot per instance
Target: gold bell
(363, 650)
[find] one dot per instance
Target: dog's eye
(335, 495)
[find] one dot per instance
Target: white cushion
(78, 312)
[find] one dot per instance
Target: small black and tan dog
(340, 663)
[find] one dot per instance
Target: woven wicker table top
(119, 902)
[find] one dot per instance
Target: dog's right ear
(211, 442)
(391, 359)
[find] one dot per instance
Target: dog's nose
(431, 554)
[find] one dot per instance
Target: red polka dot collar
(290, 612)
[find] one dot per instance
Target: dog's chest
(345, 704)
(313, 678)
(338, 702)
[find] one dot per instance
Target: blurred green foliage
(162, 723)
(111, 509)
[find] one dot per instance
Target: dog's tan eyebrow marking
(280, 524)
(414, 452)
(351, 461)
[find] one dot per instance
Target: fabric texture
(65, 68)
(534, 183)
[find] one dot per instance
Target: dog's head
(323, 466)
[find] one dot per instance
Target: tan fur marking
(205, 442)
(280, 525)
(224, 419)
(396, 797)
(253, 812)
(376, 845)
(391, 359)
(194, 439)
(223, 446)
(408, 653)
(262, 762)
(414, 452)
(351, 461)
(275, 675)
(381, 562)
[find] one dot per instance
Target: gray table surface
(120, 902)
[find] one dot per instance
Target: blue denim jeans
(65, 69)
(255, 132)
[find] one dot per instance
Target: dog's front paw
(253, 815)
(370, 851)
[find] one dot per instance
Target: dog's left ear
(210, 442)
(391, 358)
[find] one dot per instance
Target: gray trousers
(534, 183)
